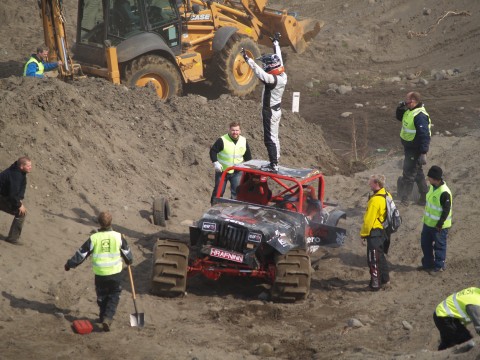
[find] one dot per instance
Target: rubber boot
(15, 229)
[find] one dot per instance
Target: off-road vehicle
(269, 231)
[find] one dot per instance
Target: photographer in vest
(107, 248)
(230, 149)
(437, 219)
(38, 63)
(415, 136)
(374, 235)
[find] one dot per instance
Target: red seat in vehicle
(255, 190)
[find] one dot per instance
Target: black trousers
(108, 289)
(17, 223)
(412, 172)
(452, 331)
(379, 272)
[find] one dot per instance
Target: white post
(296, 102)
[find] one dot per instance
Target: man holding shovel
(107, 248)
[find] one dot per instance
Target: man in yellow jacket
(374, 235)
(453, 313)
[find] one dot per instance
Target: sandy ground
(96, 146)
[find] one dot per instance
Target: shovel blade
(137, 319)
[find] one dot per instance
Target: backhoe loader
(169, 43)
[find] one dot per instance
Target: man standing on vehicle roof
(230, 149)
(415, 136)
(37, 64)
(373, 233)
(274, 78)
(107, 248)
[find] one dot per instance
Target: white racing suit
(274, 85)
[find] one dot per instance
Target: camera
(402, 103)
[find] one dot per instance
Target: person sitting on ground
(38, 63)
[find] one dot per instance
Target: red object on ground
(82, 326)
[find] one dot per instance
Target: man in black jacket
(415, 136)
(13, 182)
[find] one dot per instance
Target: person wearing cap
(415, 136)
(437, 219)
(272, 75)
(230, 149)
(453, 313)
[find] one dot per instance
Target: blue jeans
(434, 247)
(234, 180)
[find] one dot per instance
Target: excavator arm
(53, 20)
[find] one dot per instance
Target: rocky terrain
(96, 146)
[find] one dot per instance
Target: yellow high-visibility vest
(232, 154)
(408, 130)
(106, 258)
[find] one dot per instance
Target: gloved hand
(244, 54)
(67, 267)
(218, 166)
(422, 160)
(276, 37)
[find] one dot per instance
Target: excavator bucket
(297, 33)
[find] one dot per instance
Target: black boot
(15, 229)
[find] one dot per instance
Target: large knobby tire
(161, 211)
(158, 71)
(169, 268)
(292, 276)
(233, 73)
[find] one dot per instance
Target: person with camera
(415, 135)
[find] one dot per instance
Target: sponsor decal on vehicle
(200, 17)
(207, 226)
(227, 255)
(255, 237)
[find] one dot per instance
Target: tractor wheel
(292, 277)
(158, 71)
(161, 211)
(233, 73)
(169, 269)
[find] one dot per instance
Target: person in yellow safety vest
(437, 219)
(107, 248)
(373, 234)
(415, 137)
(38, 63)
(230, 149)
(453, 313)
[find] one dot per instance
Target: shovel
(137, 319)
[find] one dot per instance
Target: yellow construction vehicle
(169, 42)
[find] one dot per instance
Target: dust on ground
(96, 146)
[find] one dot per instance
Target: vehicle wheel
(233, 73)
(292, 276)
(169, 268)
(157, 71)
(161, 211)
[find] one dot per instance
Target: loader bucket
(299, 32)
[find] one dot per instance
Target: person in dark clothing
(437, 219)
(453, 313)
(107, 248)
(38, 63)
(230, 149)
(274, 78)
(13, 182)
(415, 136)
(373, 233)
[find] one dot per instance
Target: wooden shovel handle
(131, 281)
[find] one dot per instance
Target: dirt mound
(96, 146)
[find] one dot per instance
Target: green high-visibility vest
(455, 305)
(40, 66)
(232, 154)
(433, 208)
(409, 131)
(106, 258)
